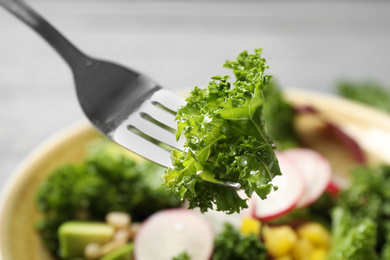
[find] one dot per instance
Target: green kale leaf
(360, 221)
(226, 140)
(230, 244)
(182, 256)
(108, 180)
(368, 92)
(368, 193)
(352, 238)
(385, 250)
(279, 117)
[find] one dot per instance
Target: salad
(112, 206)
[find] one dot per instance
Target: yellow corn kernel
(315, 233)
(286, 257)
(250, 226)
(279, 240)
(302, 249)
(319, 254)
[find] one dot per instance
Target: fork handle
(74, 57)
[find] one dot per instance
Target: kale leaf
(279, 117)
(360, 221)
(230, 244)
(182, 256)
(108, 180)
(352, 238)
(368, 92)
(226, 140)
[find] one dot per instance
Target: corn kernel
(279, 240)
(319, 254)
(315, 233)
(286, 257)
(302, 249)
(250, 226)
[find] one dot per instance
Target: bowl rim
(15, 179)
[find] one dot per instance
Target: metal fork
(126, 106)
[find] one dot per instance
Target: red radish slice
(333, 188)
(291, 187)
(316, 170)
(170, 232)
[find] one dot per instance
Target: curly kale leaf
(230, 244)
(182, 256)
(369, 196)
(360, 222)
(385, 252)
(368, 92)
(279, 117)
(108, 180)
(225, 140)
(352, 238)
(369, 193)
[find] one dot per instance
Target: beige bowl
(18, 239)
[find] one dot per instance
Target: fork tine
(141, 146)
(154, 131)
(146, 135)
(168, 99)
(160, 115)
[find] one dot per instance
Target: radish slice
(168, 233)
(333, 188)
(291, 187)
(316, 170)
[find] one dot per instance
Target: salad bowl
(367, 129)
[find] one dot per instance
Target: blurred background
(308, 45)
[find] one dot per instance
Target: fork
(126, 106)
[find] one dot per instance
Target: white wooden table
(181, 44)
